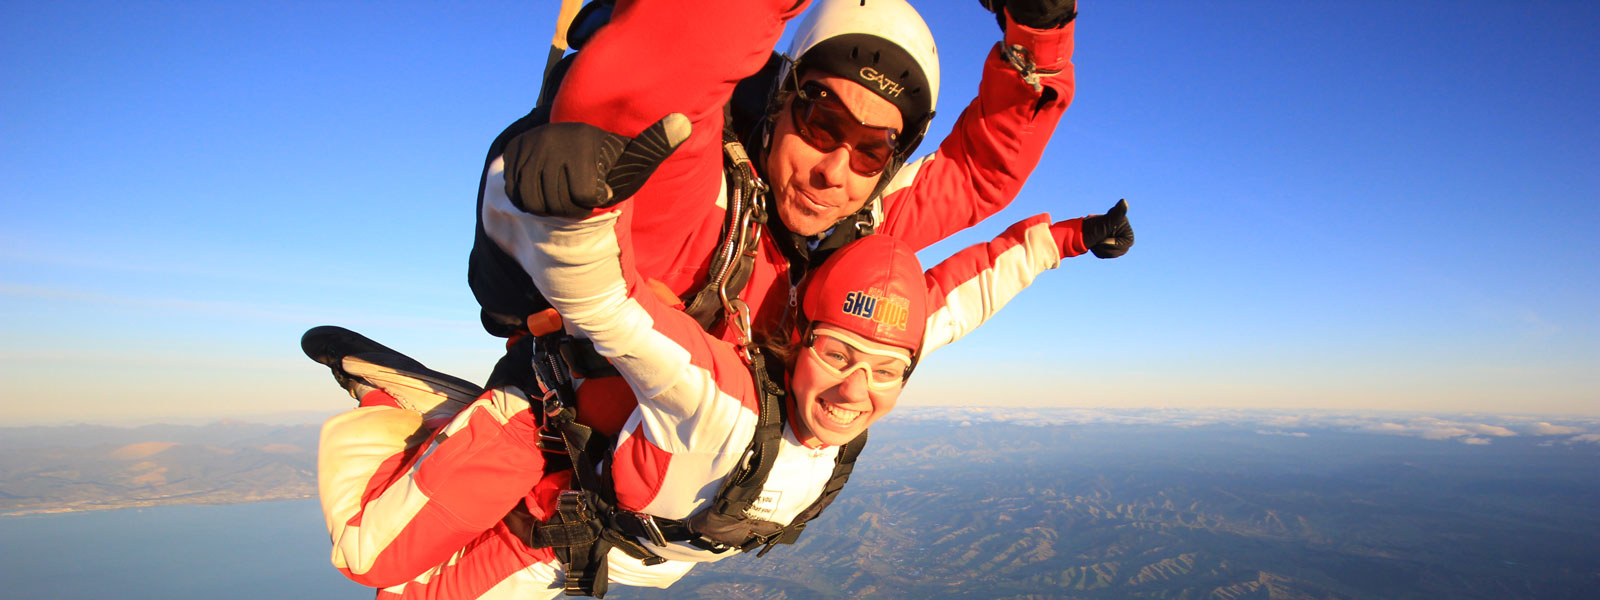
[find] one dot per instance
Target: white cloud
(1543, 428)
(1299, 434)
(1491, 430)
(1441, 433)
(1430, 428)
(1590, 438)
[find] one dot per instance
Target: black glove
(569, 169)
(1109, 235)
(1038, 14)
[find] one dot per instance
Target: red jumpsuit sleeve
(401, 499)
(996, 143)
(972, 285)
(664, 56)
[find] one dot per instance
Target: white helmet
(881, 44)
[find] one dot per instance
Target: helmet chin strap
(889, 171)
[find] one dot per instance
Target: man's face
(815, 185)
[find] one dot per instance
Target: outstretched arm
(980, 167)
(975, 283)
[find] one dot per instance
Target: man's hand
(1038, 14)
(1109, 235)
(570, 169)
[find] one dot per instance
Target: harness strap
(580, 532)
(735, 256)
(590, 507)
(559, 531)
(843, 465)
(583, 360)
(580, 519)
(742, 488)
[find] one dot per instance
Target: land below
(1064, 504)
(85, 467)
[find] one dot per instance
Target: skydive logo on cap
(893, 311)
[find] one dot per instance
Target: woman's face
(842, 384)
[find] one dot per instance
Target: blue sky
(1368, 205)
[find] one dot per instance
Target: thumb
(1120, 210)
(642, 155)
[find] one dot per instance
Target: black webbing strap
(591, 506)
(581, 533)
(584, 360)
(843, 465)
(726, 522)
(743, 487)
(582, 530)
(585, 562)
(559, 531)
(587, 573)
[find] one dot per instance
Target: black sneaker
(329, 344)
(361, 365)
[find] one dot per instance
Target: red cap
(872, 287)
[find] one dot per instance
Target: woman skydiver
(430, 520)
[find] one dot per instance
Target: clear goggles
(842, 353)
(823, 121)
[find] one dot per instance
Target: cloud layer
(1476, 429)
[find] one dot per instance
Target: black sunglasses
(823, 121)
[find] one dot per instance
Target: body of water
(268, 550)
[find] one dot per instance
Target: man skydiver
(872, 70)
(831, 140)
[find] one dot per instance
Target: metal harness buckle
(735, 308)
(739, 318)
(1021, 59)
(647, 524)
(570, 502)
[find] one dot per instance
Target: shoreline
(63, 510)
